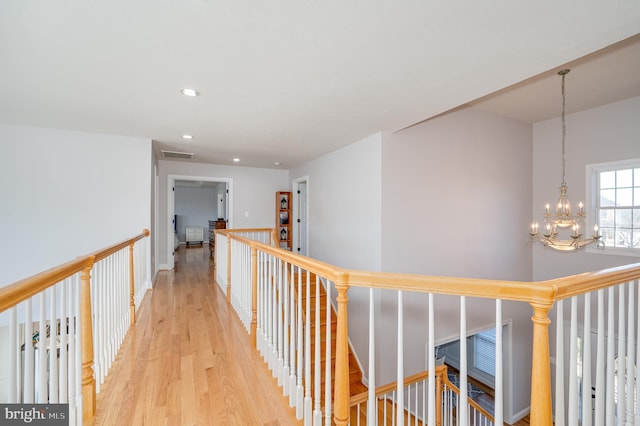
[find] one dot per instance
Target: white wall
(253, 193)
(456, 201)
(65, 193)
(195, 207)
(345, 205)
(607, 133)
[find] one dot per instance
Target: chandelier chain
(564, 129)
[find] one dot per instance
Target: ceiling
(288, 81)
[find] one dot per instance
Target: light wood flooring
(189, 361)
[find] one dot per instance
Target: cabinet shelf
(283, 219)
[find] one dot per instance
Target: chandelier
(562, 218)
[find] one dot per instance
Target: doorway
(301, 216)
(220, 190)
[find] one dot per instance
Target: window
(615, 202)
(484, 351)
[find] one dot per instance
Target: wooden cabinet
(283, 219)
(213, 225)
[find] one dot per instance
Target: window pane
(484, 346)
(636, 176)
(623, 197)
(623, 237)
(624, 178)
(636, 219)
(623, 218)
(636, 195)
(607, 197)
(608, 236)
(607, 217)
(608, 179)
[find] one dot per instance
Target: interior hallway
(189, 361)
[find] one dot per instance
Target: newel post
(86, 328)
(341, 386)
(132, 286)
(228, 269)
(540, 368)
(254, 296)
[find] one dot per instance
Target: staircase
(355, 374)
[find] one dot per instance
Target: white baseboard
(520, 415)
(164, 267)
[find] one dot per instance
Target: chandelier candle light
(562, 218)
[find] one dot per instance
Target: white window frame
(592, 196)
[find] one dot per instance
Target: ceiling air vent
(177, 154)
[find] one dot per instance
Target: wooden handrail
(521, 291)
(441, 372)
(108, 251)
(384, 389)
(471, 402)
(21, 290)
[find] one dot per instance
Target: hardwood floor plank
(189, 360)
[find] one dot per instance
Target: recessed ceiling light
(236, 160)
(190, 92)
(187, 137)
(277, 163)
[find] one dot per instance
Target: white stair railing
(47, 315)
(612, 398)
(283, 324)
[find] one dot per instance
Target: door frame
(295, 214)
(171, 204)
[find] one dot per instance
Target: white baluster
(53, 353)
(327, 380)
(292, 345)
(416, 404)
(259, 304)
(587, 403)
(431, 379)
(573, 359)
(78, 355)
(308, 408)
(400, 362)
(274, 316)
(29, 365)
(13, 356)
(498, 397)
(630, 358)
(64, 374)
(372, 412)
(610, 400)
(464, 416)
(287, 306)
(42, 353)
(600, 363)
(317, 411)
(621, 355)
(299, 388)
(280, 323)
